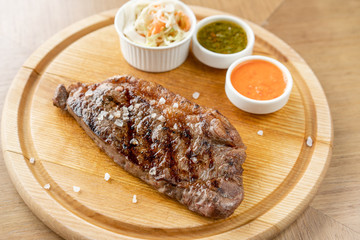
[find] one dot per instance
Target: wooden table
(325, 33)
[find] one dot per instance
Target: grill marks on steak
(190, 153)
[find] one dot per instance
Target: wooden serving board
(281, 172)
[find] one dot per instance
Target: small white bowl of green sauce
(221, 39)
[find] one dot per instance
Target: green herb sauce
(222, 37)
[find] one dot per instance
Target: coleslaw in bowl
(156, 23)
(155, 35)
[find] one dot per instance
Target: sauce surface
(258, 79)
(222, 37)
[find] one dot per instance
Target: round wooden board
(281, 172)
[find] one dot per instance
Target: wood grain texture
(320, 223)
(333, 52)
(334, 42)
(276, 191)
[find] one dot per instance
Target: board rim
(33, 67)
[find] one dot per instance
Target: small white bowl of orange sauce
(258, 84)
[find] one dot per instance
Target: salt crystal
(117, 114)
(161, 118)
(196, 95)
(175, 105)
(125, 118)
(119, 123)
(137, 105)
(153, 115)
(125, 110)
(107, 177)
(111, 117)
(153, 145)
(131, 107)
(88, 93)
(162, 100)
(260, 132)
(99, 101)
(175, 126)
(76, 189)
(309, 141)
(152, 171)
(152, 102)
(32, 160)
(119, 88)
(193, 159)
(102, 115)
(134, 141)
(47, 186)
(134, 200)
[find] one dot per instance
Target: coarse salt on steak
(188, 152)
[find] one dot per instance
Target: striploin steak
(188, 152)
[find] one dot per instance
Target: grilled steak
(188, 152)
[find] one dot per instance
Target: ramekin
(258, 106)
(219, 60)
(154, 59)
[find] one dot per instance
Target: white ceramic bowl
(153, 59)
(258, 106)
(219, 60)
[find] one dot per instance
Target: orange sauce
(258, 79)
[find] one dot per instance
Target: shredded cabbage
(157, 23)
